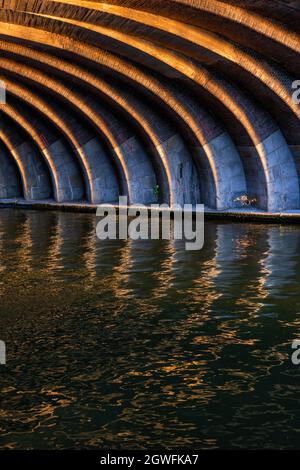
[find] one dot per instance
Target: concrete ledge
(237, 215)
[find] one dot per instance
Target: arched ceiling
(180, 101)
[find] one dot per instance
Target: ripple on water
(143, 345)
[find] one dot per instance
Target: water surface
(140, 345)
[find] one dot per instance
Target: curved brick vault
(184, 101)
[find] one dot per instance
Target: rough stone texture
(295, 150)
(231, 183)
(255, 177)
(37, 181)
(104, 182)
(282, 182)
(185, 182)
(142, 179)
(70, 187)
(9, 182)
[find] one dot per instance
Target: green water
(140, 345)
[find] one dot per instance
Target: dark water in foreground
(144, 345)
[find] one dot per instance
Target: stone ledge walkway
(241, 214)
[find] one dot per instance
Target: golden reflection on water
(166, 271)
(54, 259)
(90, 251)
(24, 245)
(128, 343)
(121, 271)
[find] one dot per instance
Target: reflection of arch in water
(281, 261)
(234, 261)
